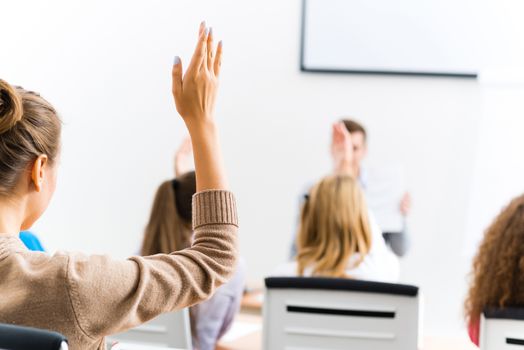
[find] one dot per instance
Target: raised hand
(405, 204)
(195, 91)
(184, 157)
(342, 150)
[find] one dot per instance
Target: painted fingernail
(203, 24)
(210, 31)
(176, 61)
(220, 43)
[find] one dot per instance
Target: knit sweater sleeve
(110, 296)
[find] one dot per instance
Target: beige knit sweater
(89, 297)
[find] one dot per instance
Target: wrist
(344, 168)
(196, 126)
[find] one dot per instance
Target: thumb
(342, 128)
(177, 77)
(334, 132)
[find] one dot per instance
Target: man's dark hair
(354, 126)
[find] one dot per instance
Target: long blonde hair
(334, 226)
(169, 226)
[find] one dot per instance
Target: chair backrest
(502, 329)
(27, 338)
(168, 330)
(334, 313)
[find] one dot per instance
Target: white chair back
(168, 330)
(502, 329)
(331, 313)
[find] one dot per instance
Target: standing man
(397, 241)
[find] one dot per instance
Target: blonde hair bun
(11, 107)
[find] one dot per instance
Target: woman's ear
(38, 171)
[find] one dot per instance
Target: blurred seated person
(337, 236)
(498, 268)
(169, 230)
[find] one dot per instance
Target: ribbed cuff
(214, 207)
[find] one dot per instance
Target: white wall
(106, 66)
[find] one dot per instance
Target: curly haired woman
(498, 268)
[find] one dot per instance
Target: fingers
(209, 61)
(343, 129)
(334, 131)
(335, 134)
(186, 145)
(184, 149)
(177, 77)
(218, 59)
(183, 146)
(205, 56)
(199, 55)
(344, 134)
(338, 131)
(405, 204)
(336, 128)
(407, 200)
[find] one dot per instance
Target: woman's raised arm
(195, 95)
(109, 296)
